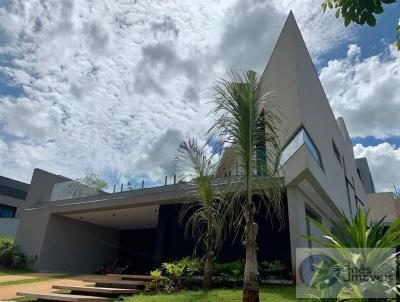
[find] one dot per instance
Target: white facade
(319, 183)
(317, 159)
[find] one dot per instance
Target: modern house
(12, 196)
(65, 229)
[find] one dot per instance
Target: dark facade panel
(145, 250)
(12, 192)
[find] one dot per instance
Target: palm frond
(203, 210)
(248, 121)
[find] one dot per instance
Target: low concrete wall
(8, 227)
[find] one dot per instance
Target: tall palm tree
(204, 210)
(248, 122)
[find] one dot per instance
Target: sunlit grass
(271, 293)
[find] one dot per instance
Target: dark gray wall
(74, 246)
(40, 188)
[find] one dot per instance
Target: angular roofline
(15, 184)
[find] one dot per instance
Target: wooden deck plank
(103, 290)
(64, 297)
(130, 277)
(102, 282)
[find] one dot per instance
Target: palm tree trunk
(207, 276)
(251, 283)
(209, 255)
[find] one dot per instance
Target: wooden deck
(105, 289)
(146, 278)
(110, 282)
(98, 290)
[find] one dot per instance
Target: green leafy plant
(204, 210)
(159, 283)
(230, 271)
(175, 271)
(10, 256)
(247, 121)
(192, 266)
(359, 12)
(357, 241)
(271, 270)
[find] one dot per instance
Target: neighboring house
(384, 204)
(12, 196)
(67, 232)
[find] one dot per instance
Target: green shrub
(182, 271)
(229, 271)
(272, 270)
(10, 256)
(159, 283)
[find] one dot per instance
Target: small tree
(247, 121)
(204, 210)
(93, 180)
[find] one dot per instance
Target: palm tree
(204, 210)
(248, 122)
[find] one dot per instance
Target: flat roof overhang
(126, 210)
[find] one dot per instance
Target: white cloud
(27, 118)
(321, 31)
(384, 162)
(114, 86)
(365, 92)
(3, 147)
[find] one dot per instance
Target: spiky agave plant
(359, 241)
(248, 121)
(204, 210)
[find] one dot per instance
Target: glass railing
(301, 138)
(73, 189)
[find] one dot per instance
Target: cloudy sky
(112, 87)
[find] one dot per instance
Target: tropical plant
(360, 243)
(230, 270)
(248, 122)
(11, 256)
(176, 271)
(204, 209)
(159, 283)
(274, 269)
(192, 266)
(95, 181)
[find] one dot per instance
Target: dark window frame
(337, 153)
(7, 211)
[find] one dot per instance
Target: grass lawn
(270, 293)
(9, 271)
(34, 280)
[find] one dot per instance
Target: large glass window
(301, 138)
